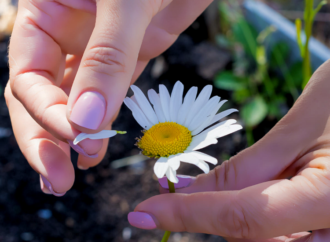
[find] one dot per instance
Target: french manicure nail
(81, 151)
(89, 110)
(184, 181)
(50, 188)
(82, 168)
(141, 220)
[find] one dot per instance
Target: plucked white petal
(203, 156)
(201, 100)
(100, 135)
(187, 104)
(222, 115)
(154, 99)
(137, 113)
(144, 105)
(204, 113)
(165, 101)
(171, 175)
(176, 101)
(207, 121)
(161, 167)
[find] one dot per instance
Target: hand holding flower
(250, 197)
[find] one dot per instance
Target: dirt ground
(96, 207)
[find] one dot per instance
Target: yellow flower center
(165, 139)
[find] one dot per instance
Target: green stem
(172, 190)
(166, 236)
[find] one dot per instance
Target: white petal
(100, 135)
(203, 97)
(192, 159)
(171, 175)
(137, 113)
(203, 144)
(174, 161)
(165, 101)
(161, 167)
(203, 156)
(222, 115)
(176, 100)
(207, 121)
(209, 133)
(144, 105)
(204, 113)
(228, 130)
(154, 99)
(203, 166)
(187, 104)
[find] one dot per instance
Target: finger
(85, 163)
(168, 24)
(286, 238)
(35, 74)
(109, 62)
(256, 212)
(45, 154)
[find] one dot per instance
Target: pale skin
(61, 48)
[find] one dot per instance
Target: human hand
(249, 197)
(71, 63)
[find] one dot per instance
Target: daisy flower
(175, 127)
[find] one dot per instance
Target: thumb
(265, 210)
(109, 61)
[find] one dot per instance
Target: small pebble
(127, 233)
(27, 236)
(45, 213)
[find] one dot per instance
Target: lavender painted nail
(80, 150)
(89, 110)
(141, 220)
(184, 181)
(50, 188)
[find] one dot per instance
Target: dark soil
(96, 207)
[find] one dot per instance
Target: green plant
(260, 80)
(309, 15)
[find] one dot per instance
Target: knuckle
(107, 60)
(238, 222)
(226, 175)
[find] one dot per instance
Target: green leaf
(279, 53)
(254, 111)
(246, 35)
(226, 80)
(241, 95)
(295, 72)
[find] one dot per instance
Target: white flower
(100, 135)
(175, 127)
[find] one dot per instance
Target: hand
(71, 63)
(249, 197)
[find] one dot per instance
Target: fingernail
(89, 110)
(81, 151)
(82, 168)
(50, 188)
(141, 220)
(184, 181)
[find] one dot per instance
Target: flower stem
(172, 190)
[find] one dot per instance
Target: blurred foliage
(309, 15)
(262, 81)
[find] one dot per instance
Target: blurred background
(248, 50)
